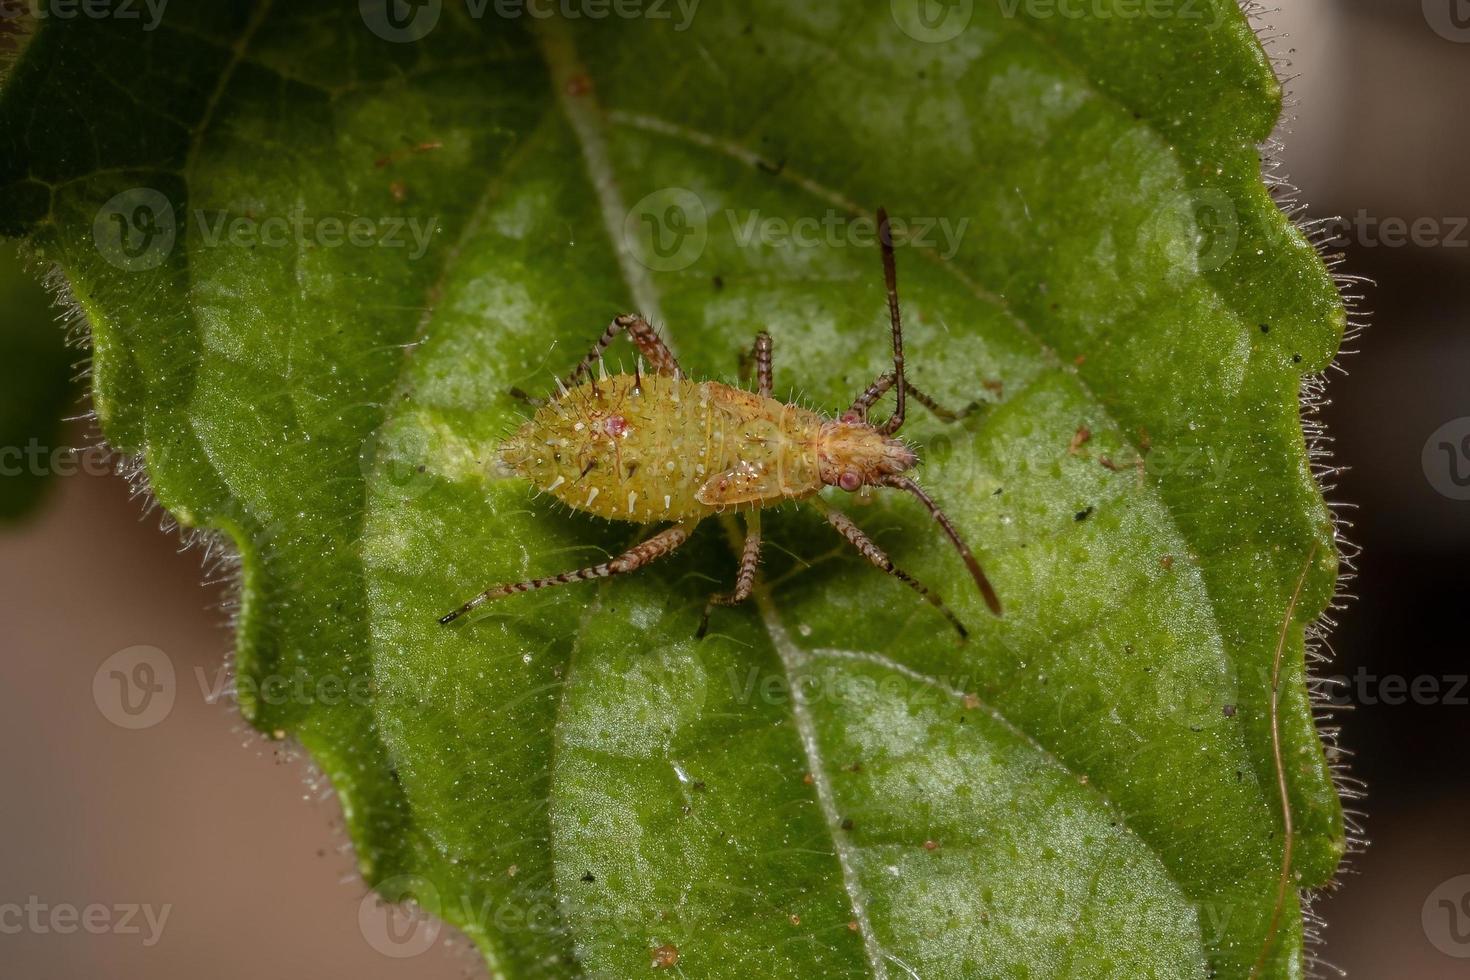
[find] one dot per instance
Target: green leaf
(829, 784)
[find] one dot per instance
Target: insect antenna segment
(942, 519)
(890, 283)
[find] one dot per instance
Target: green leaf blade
(336, 410)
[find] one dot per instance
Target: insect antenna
(971, 562)
(890, 282)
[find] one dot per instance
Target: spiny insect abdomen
(641, 447)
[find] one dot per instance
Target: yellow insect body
(656, 447)
(648, 448)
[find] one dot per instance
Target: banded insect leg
(750, 557)
(876, 555)
(656, 547)
(760, 358)
(644, 337)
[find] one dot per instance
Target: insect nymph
(658, 447)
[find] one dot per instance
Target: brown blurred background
(197, 817)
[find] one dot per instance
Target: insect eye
(850, 481)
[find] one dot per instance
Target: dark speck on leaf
(1083, 515)
(421, 467)
(774, 169)
(697, 786)
(719, 282)
(855, 767)
(1229, 710)
(589, 877)
(846, 823)
(1265, 328)
(1296, 358)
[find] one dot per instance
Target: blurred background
(193, 817)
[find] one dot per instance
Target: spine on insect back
(642, 447)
